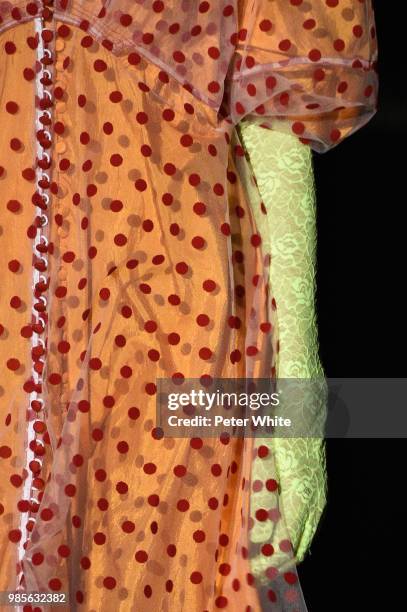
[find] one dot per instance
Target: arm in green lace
(283, 170)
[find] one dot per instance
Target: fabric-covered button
(60, 44)
(62, 232)
(60, 147)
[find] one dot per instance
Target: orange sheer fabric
(306, 67)
(129, 253)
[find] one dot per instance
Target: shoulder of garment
(304, 67)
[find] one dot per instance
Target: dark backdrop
(357, 557)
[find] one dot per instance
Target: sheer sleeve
(304, 67)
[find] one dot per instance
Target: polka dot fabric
(129, 252)
(306, 67)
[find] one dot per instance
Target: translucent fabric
(304, 67)
(130, 252)
(307, 67)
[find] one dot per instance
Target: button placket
(37, 431)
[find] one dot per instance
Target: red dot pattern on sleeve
(307, 68)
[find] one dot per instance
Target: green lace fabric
(282, 173)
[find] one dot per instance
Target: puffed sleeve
(307, 67)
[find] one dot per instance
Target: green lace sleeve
(282, 168)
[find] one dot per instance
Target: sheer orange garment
(129, 252)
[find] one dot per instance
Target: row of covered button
(41, 199)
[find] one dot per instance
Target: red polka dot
(14, 535)
(100, 65)
(109, 582)
(116, 160)
(12, 107)
(183, 505)
(10, 47)
(221, 601)
(99, 538)
(196, 577)
(141, 556)
(5, 452)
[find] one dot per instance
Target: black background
(358, 556)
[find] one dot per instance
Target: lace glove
(282, 168)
